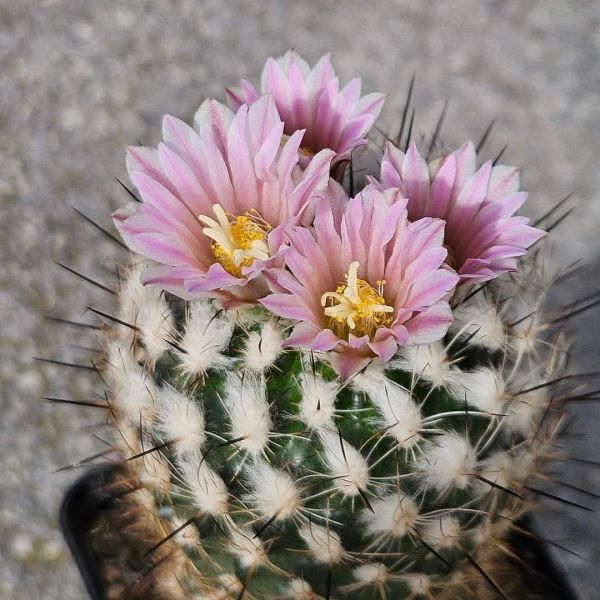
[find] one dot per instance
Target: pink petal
(215, 119)
(313, 182)
(430, 325)
(285, 305)
(302, 336)
(384, 348)
(415, 178)
(146, 160)
(242, 171)
(441, 190)
(503, 182)
(347, 362)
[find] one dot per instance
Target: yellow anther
(237, 241)
(356, 306)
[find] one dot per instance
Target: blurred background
(79, 80)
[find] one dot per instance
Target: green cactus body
(273, 478)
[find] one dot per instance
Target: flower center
(303, 150)
(236, 241)
(356, 306)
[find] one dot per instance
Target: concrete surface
(81, 79)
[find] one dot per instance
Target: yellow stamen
(237, 241)
(356, 306)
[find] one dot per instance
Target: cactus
(280, 479)
(269, 464)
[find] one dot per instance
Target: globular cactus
(285, 481)
(318, 396)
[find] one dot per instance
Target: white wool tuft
(208, 490)
(419, 584)
(128, 438)
(229, 588)
(189, 536)
(231, 583)
(263, 348)
(499, 468)
(245, 399)
(154, 472)
(298, 589)
(481, 319)
(371, 573)
(274, 492)
(248, 549)
(180, 421)
(483, 389)
(206, 337)
(523, 412)
(324, 544)
(134, 391)
(525, 335)
(348, 468)
(394, 514)
(317, 406)
(401, 417)
(448, 461)
(524, 462)
(428, 362)
(487, 530)
(146, 308)
(145, 499)
(441, 532)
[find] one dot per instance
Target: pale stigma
(237, 241)
(356, 306)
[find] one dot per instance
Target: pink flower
(216, 200)
(311, 99)
(364, 280)
(483, 236)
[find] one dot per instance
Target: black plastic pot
(83, 508)
(88, 508)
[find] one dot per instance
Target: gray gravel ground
(81, 79)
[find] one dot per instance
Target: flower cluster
(242, 208)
